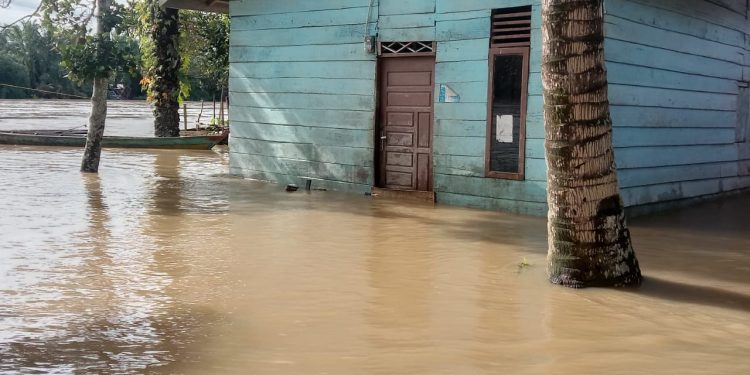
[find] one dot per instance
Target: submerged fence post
(197, 123)
(221, 108)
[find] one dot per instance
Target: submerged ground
(164, 264)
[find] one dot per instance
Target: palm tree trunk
(166, 86)
(93, 150)
(589, 243)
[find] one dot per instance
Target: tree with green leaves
(205, 47)
(12, 73)
(88, 56)
(33, 47)
(162, 63)
(589, 241)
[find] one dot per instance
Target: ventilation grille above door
(407, 48)
(511, 27)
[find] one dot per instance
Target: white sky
(17, 9)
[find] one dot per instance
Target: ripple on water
(81, 285)
(162, 263)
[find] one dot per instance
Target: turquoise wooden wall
(462, 30)
(303, 99)
(303, 103)
(302, 92)
(674, 68)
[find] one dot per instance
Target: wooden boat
(192, 132)
(77, 138)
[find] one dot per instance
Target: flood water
(164, 264)
(131, 118)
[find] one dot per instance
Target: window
(508, 89)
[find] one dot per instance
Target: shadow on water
(693, 294)
(708, 242)
(723, 218)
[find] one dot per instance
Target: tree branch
(34, 14)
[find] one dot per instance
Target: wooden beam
(214, 6)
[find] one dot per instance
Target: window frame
(515, 51)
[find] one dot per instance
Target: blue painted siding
(406, 20)
(302, 90)
(303, 95)
(462, 32)
(674, 68)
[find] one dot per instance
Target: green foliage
(159, 39)
(203, 49)
(63, 48)
(86, 56)
(205, 38)
(34, 48)
(12, 73)
(97, 56)
(524, 264)
(215, 124)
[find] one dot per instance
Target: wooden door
(406, 116)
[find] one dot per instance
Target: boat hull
(77, 140)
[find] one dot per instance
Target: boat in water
(77, 138)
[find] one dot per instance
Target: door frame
(379, 155)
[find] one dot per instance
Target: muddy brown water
(131, 118)
(164, 264)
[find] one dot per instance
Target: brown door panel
(406, 93)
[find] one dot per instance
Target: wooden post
(197, 123)
(221, 109)
(184, 115)
(213, 115)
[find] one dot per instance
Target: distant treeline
(29, 58)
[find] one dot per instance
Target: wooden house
(445, 97)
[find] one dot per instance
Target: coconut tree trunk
(589, 243)
(166, 86)
(93, 150)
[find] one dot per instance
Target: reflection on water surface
(164, 264)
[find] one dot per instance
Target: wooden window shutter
(511, 27)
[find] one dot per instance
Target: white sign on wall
(447, 95)
(504, 128)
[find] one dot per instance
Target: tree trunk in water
(166, 87)
(589, 243)
(95, 133)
